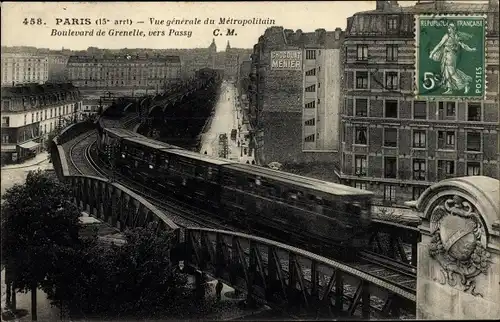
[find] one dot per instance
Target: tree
(135, 279)
(39, 227)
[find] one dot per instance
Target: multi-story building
(295, 96)
(20, 68)
(57, 67)
(398, 146)
(231, 63)
(31, 112)
(140, 72)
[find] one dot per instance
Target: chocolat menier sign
(286, 60)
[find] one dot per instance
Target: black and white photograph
(250, 160)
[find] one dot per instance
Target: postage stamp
(450, 57)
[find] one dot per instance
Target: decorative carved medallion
(459, 243)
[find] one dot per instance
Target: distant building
(393, 144)
(23, 68)
(57, 67)
(231, 63)
(125, 71)
(244, 78)
(295, 96)
(30, 112)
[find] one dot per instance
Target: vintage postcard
(271, 160)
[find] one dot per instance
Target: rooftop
(428, 7)
(124, 58)
(35, 89)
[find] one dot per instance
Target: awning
(29, 145)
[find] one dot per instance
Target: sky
(307, 16)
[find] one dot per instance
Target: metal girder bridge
(290, 278)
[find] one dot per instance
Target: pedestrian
(206, 152)
(218, 290)
(238, 143)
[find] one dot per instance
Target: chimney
(381, 4)
(394, 4)
(338, 32)
(493, 4)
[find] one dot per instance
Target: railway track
(182, 214)
(398, 274)
(78, 155)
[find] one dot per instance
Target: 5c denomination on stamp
(450, 57)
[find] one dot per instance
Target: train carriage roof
(200, 157)
(153, 144)
(119, 132)
(306, 182)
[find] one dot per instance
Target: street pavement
(226, 118)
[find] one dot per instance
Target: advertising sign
(286, 60)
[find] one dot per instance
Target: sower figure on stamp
(446, 52)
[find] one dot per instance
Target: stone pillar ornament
(458, 243)
(458, 270)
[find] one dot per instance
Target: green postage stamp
(450, 58)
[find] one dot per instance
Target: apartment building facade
(294, 96)
(23, 68)
(124, 71)
(31, 112)
(398, 146)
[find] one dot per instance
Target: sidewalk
(39, 158)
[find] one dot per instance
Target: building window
(473, 169)
(390, 167)
(420, 110)
(473, 141)
(45, 114)
(361, 107)
(360, 185)
(311, 72)
(391, 52)
(360, 165)
(360, 137)
(446, 110)
(319, 101)
(310, 54)
(389, 193)
(309, 138)
(310, 122)
(25, 119)
(419, 169)
(446, 140)
(419, 139)
(446, 167)
(361, 80)
(45, 128)
(50, 113)
(473, 111)
(417, 192)
(362, 52)
(5, 121)
(391, 80)
(311, 88)
(310, 105)
(392, 23)
(390, 137)
(391, 108)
